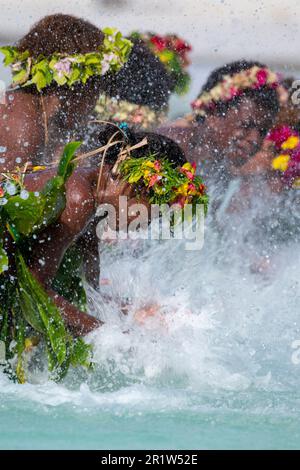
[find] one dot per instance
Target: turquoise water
(218, 369)
(121, 424)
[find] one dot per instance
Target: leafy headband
(234, 85)
(67, 69)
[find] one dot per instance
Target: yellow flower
(281, 162)
(296, 183)
(183, 189)
(38, 168)
(149, 164)
(291, 143)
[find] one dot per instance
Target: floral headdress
(67, 69)
(172, 52)
(287, 143)
(141, 116)
(234, 85)
(163, 183)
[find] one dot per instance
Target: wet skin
(235, 136)
(22, 133)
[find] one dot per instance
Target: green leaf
(109, 31)
(39, 80)
(25, 214)
(66, 166)
(81, 353)
(3, 260)
(29, 310)
(10, 54)
(20, 76)
(54, 196)
(44, 307)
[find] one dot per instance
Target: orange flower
(153, 180)
(202, 188)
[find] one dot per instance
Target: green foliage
(3, 260)
(65, 69)
(164, 184)
(24, 303)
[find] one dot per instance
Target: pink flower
(280, 134)
(261, 76)
(157, 165)
(63, 67)
(233, 92)
(153, 180)
(191, 187)
(189, 175)
(106, 61)
(293, 170)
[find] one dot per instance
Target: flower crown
(287, 163)
(163, 183)
(142, 116)
(67, 69)
(172, 52)
(232, 86)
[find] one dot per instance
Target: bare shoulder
(20, 127)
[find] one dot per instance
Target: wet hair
(64, 34)
(263, 96)
(157, 144)
(143, 80)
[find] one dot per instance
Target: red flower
(202, 188)
(181, 45)
(280, 134)
(233, 92)
(261, 76)
(194, 165)
(2, 192)
(187, 173)
(180, 201)
(154, 179)
(159, 42)
(191, 187)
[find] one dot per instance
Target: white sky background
(219, 30)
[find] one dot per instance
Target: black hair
(143, 80)
(263, 96)
(157, 144)
(64, 34)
